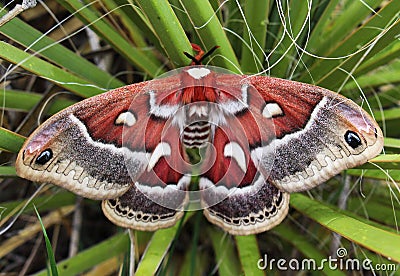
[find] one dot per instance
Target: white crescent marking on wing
(235, 151)
(126, 118)
(162, 149)
(272, 110)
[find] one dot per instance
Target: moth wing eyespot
(44, 157)
(352, 139)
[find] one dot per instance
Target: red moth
(260, 139)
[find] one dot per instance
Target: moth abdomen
(196, 135)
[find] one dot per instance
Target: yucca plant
(88, 47)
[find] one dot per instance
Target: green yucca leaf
(309, 251)
(55, 52)
(45, 203)
(225, 256)
(49, 71)
(387, 245)
(156, 251)
(248, 254)
(10, 141)
(293, 29)
(90, 257)
(368, 31)
(109, 34)
(167, 29)
(49, 249)
(6, 172)
(387, 175)
(25, 101)
(392, 143)
(211, 33)
(253, 56)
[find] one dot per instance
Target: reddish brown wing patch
(297, 101)
(226, 171)
(99, 113)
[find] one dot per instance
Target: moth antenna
(192, 58)
(212, 50)
(198, 59)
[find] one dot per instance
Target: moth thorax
(196, 134)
